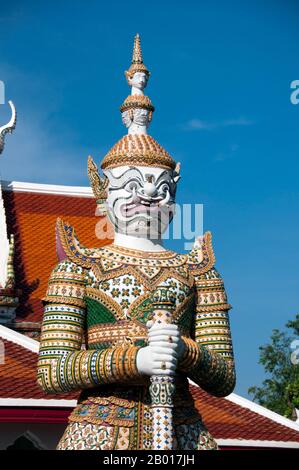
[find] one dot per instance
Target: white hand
(160, 357)
(153, 360)
(166, 334)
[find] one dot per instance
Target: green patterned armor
(96, 309)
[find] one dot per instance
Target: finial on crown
(137, 52)
(137, 109)
(137, 64)
(137, 148)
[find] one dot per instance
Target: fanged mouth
(142, 205)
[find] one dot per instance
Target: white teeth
(134, 196)
(166, 200)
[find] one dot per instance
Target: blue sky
(221, 74)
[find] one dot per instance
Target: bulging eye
(164, 188)
(131, 186)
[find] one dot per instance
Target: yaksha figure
(130, 323)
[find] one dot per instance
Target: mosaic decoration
(84, 305)
(134, 149)
(99, 303)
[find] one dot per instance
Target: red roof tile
(18, 375)
(228, 420)
(31, 217)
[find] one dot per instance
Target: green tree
(280, 391)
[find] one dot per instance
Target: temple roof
(18, 373)
(235, 417)
(31, 213)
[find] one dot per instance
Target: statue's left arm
(208, 356)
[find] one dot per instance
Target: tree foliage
(280, 390)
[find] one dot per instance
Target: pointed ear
(176, 172)
(59, 230)
(98, 184)
(129, 78)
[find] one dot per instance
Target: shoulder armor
(201, 258)
(66, 284)
(68, 246)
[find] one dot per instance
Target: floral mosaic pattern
(105, 296)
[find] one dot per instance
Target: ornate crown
(135, 148)
(138, 149)
(137, 101)
(137, 60)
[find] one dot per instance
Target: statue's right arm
(63, 365)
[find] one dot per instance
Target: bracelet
(118, 363)
(102, 365)
(191, 354)
(98, 366)
(108, 365)
(131, 362)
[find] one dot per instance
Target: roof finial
(9, 127)
(10, 272)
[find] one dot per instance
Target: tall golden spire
(137, 148)
(137, 60)
(137, 52)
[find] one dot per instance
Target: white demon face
(141, 199)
